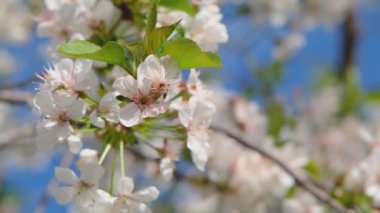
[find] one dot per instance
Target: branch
(19, 84)
(16, 134)
(16, 97)
(322, 196)
(350, 35)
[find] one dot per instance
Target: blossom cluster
(126, 108)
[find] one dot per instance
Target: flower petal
(130, 115)
(75, 144)
(91, 173)
(199, 150)
(96, 120)
(44, 102)
(77, 110)
(64, 195)
(147, 194)
(125, 186)
(65, 175)
(127, 86)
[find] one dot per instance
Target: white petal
(125, 186)
(150, 69)
(77, 110)
(127, 86)
(65, 65)
(172, 71)
(65, 175)
(166, 168)
(87, 156)
(75, 144)
(64, 130)
(199, 151)
(146, 195)
(137, 207)
(130, 115)
(64, 195)
(44, 102)
(96, 120)
(91, 173)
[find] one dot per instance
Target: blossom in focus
(147, 94)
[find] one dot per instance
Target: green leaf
(312, 168)
(112, 52)
(183, 5)
(154, 40)
(277, 118)
(189, 55)
(152, 18)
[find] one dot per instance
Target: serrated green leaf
(183, 5)
(152, 17)
(189, 55)
(112, 52)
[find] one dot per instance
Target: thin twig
(301, 182)
(16, 97)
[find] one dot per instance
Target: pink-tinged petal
(96, 120)
(146, 195)
(77, 110)
(91, 173)
(199, 150)
(125, 186)
(130, 115)
(65, 175)
(64, 195)
(44, 102)
(126, 86)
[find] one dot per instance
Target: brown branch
(322, 196)
(350, 36)
(16, 97)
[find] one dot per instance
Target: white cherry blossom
(129, 201)
(147, 94)
(70, 77)
(57, 111)
(107, 109)
(82, 190)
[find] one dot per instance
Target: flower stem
(112, 174)
(122, 168)
(104, 154)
